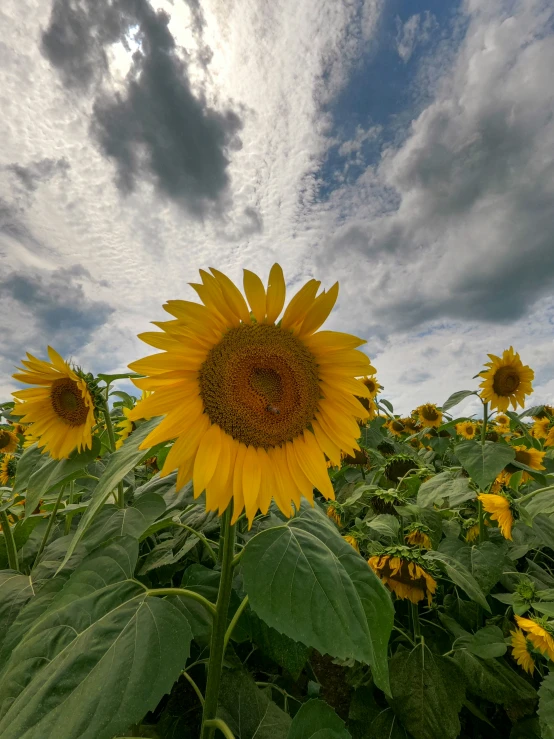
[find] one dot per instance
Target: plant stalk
(217, 645)
(217, 723)
(49, 527)
(111, 437)
(11, 549)
(480, 511)
(415, 622)
(160, 592)
(68, 518)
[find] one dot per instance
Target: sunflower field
(254, 545)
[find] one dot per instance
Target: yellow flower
(520, 651)
(501, 480)
(540, 428)
(547, 412)
(410, 424)
(8, 465)
(334, 513)
(395, 426)
(254, 403)
(352, 541)
(429, 415)
(406, 579)
(20, 429)
(538, 635)
(472, 533)
(531, 458)
(61, 408)
(467, 429)
(506, 381)
(550, 438)
(124, 428)
(499, 508)
(418, 537)
(371, 383)
(8, 441)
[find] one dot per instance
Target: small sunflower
(501, 481)
(547, 411)
(395, 426)
(549, 441)
(255, 403)
(429, 415)
(403, 575)
(19, 429)
(472, 529)
(540, 634)
(371, 408)
(353, 541)
(8, 441)
(530, 457)
(501, 510)
(61, 408)
(418, 535)
(8, 466)
(124, 428)
(334, 512)
(521, 652)
(410, 424)
(467, 429)
(415, 443)
(370, 381)
(398, 466)
(540, 428)
(506, 381)
(501, 419)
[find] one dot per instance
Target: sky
(403, 147)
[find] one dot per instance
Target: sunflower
(467, 429)
(501, 419)
(360, 457)
(370, 406)
(255, 404)
(506, 381)
(395, 426)
(61, 408)
(415, 443)
(8, 466)
(398, 466)
(124, 428)
(471, 526)
(353, 541)
(418, 535)
(549, 441)
(501, 510)
(8, 441)
(521, 652)
(547, 411)
(404, 576)
(370, 381)
(429, 415)
(540, 428)
(530, 457)
(383, 501)
(410, 424)
(539, 633)
(19, 429)
(334, 512)
(502, 480)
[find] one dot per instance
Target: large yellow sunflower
(8, 466)
(429, 415)
(540, 428)
(539, 633)
(254, 403)
(61, 408)
(467, 429)
(530, 457)
(405, 578)
(8, 441)
(506, 381)
(521, 652)
(500, 509)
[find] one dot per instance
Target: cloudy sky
(405, 147)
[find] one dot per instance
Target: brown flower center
(506, 381)
(67, 402)
(260, 385)
(429, 413)
(5, 439)
(370, 384)
(524, 457)
(397, 426)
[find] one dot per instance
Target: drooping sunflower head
(124, 428)
(471, 529)
(501, 509)
(522, 651)
(467, 429)
(419, 536)
(540, 428)
(410, 424)
(386, 448)
(546, 411)
(429, 415)
(401, 571)
(360, 457)
(549, 441)
(506, 381)
(395, 426)
(255, 403)
(8, 441)
(8, 467)
(334, 512)
(540, 632)
(353, 540)
(61, 406)
(383, 501)
(398, 466)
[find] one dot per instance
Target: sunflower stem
(234, 621)
(11, 549)
(201, 537)
(217, 646)
(111, 437)
(49, 527)
(67, 527)
(217, 723)
(415, 622)
(480, 511)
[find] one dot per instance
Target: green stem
(480, 511)
(217, 645)
(217, 723)
(111, 437)
(49, 527)
(202, 538)
(159, 592)
(194, 686)
(415, 622)
(69, 516)
(234, 620)
(10, 543)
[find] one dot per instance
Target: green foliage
(248, 711)
(546, 707)
(317, 720)
(483, 462)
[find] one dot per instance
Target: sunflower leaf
(348, 613)
(494, 680)
(317, 720)
(445, 485)
(546, 707)
(456, 398)
(460, 576)
(483, 462)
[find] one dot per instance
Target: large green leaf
(368, 720)
(15, 591)
(317, 720)
(121, 462)
(484, 462)
(248, 711)
(486, 643)
(281, 649)
(546, 707)
(484, 561)
(460, 576)
(542, 502)
(543, 527)
(494, 680)
(28, 462)
(97, 659)
(445, 485)
(54, 472)
(305, 581)
(456, 398)
(428, 692)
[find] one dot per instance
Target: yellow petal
(276, 292)
(312, 463)
(255, 294)
(206, 459)
(320, 310)
(300, 304)
(238, 496)
(251, 478)
(233, 295)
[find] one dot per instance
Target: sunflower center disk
(4, 439)
(260, 385)
(506, 381)
(67, 402)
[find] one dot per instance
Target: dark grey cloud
(50, 308)
(158, 127)
(32, 175)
